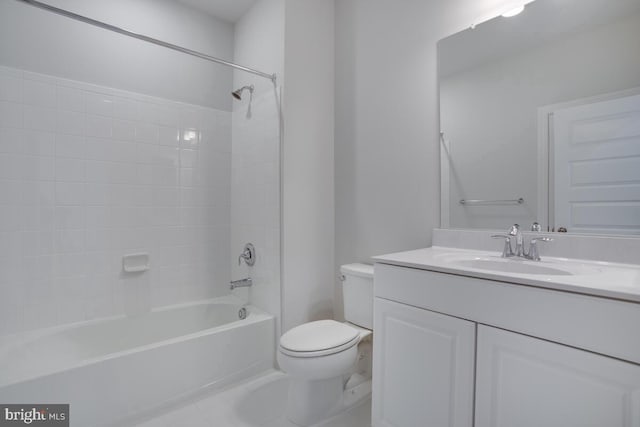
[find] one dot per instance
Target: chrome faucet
(533, 247)
(248, 255)
(514, 231)
(507, 251)
(242, 283)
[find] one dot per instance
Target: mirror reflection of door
(497, 81)
(596, 155)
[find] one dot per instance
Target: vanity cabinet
(460, 351)
(423, 368)
(527, 382)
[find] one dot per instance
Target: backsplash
(89, 174)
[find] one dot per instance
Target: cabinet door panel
(423, 368)
(527, 382)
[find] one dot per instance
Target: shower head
(237, 94)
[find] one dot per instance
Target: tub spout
(242, 283)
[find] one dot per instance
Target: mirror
(540, 119)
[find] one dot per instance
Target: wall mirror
(540, 119)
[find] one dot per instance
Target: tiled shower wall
(89, 174)
(255, 197)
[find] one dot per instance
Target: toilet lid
(318, 336)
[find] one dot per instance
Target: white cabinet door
(423, 367)
(527, 382)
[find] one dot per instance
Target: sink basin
(512, 266)
(544, 270)
(588, 277)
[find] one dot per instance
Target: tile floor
(259, 401)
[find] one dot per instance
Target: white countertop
(603, 279)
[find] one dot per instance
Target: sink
(588, 277)
(494, 263)
(512, 266)
(548, 270)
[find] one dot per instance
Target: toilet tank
(357, 294)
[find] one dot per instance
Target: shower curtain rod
(142, 37)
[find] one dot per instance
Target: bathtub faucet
(242, 283)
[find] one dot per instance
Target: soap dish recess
(135, 263)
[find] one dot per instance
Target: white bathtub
(111, 369)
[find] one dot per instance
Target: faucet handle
(501, 236)
(248, 255)
(534, 254)
(507, 251)
(535, 239)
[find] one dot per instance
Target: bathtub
(110, 370)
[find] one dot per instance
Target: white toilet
(329, 363)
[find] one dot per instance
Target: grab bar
(493, 202)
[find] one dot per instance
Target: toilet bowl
(320, 357)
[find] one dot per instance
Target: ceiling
(542, 22)
(227, 10)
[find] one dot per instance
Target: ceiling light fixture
(513, 12)
(511, 8)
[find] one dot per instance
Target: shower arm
(119, 30)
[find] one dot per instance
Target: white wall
(39, 41)
(386, 147)
(490, 115)
(255, 195)
(89, 174)
(295, 40)
(308, 180)
(259, 43)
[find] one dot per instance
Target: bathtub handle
(248, 255)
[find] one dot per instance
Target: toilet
(329, 362)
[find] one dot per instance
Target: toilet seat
(319, 338)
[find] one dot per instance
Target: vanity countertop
(604, 279)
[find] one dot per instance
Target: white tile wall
(255, 196)
(88, 174)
